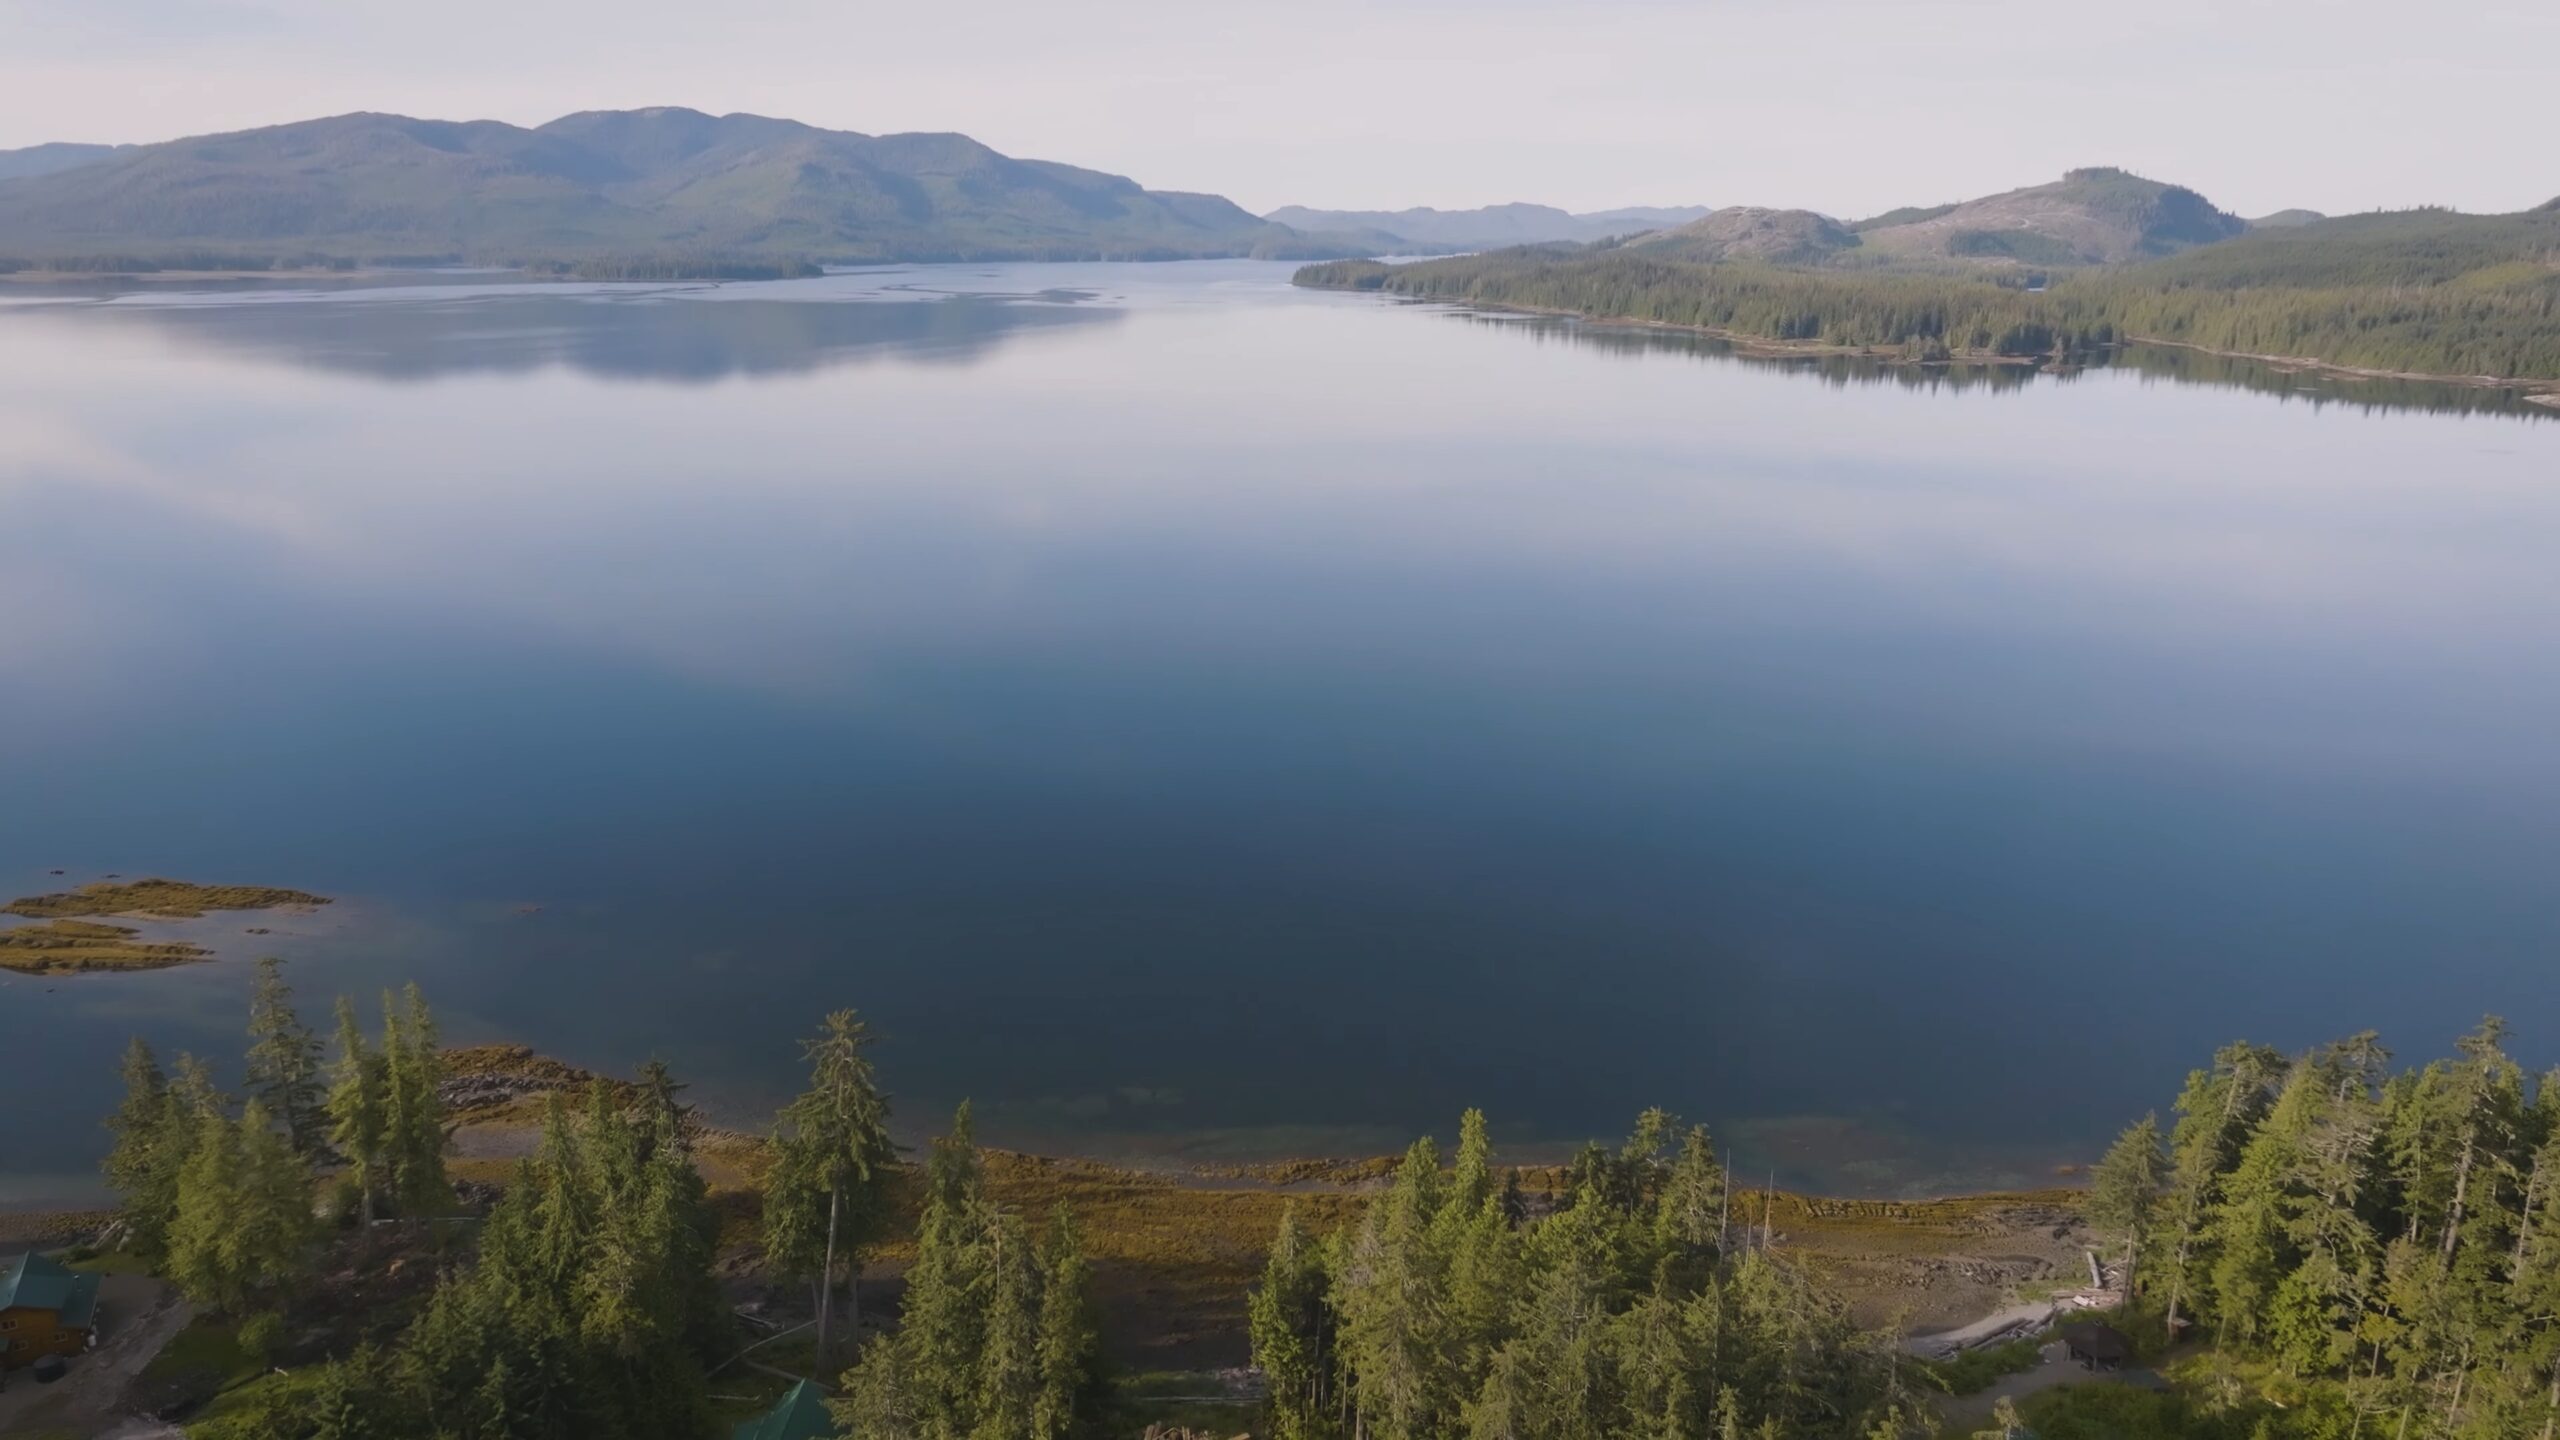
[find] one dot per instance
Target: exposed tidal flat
(73, 937)
(1212, 722)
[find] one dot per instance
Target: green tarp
(800, 1415)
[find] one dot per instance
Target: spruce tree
(283, 1067)
(2124, 1192)
(358, 1109)
(1068, 1341)
(1388, 1296)
(995, 1339)
(1007, 1379)
(413, 1109)
(1689, 1217)
(2215, 1114)
(151, 1136)
(274, 1193)
(206, 1260)
(831, 1159)
(1285, 1318)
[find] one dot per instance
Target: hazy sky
(1847, 106)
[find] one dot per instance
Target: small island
(74, 939)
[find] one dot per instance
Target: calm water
(1191, 715)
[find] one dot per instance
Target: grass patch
(251, 1410)
(205, 1347)
(165, 899)
(72, 947)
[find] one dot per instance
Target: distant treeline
(1925, 313)
(2421, 291)
(677, 267)
(103, 263)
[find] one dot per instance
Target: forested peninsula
(2425, 292)
(385, 1237)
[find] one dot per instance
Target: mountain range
(1489, 227)
(638, 191)
(46, 159)
(2096, 216)
(602, 183)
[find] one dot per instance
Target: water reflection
(678, 333)
(2159, 362)
(1219, 669)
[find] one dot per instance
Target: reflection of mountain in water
(644, 336)
(2184, 367)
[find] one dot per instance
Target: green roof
(33, 1282)
(799, 1415)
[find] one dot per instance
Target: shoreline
(1182, 1241)
(2531, 391)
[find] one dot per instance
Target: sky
(1844, 106)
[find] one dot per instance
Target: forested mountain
(1489, 227)
(2094, 216)
(608, 183)
(46, 159)
(1748, 232)
(2422, 291)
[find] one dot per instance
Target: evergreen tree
(273, 1227)
(1689, 1220)
(283, 1068)
(1286, 1320)
(1389, 1298)
(995, 1339)
(831, 1158)
(413, 1109)
(1068, 1342)
(590, 1308)
(205, 1259)
(243, 1212)
(2215, 1115)
(1617, 1315)
(1008, 1368)
(2125, 1190)
(151, 1137)
(359, 1105)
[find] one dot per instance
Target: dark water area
(1195, 717)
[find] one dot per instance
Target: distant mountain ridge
(1750, 232)
(603, 183)
(48, 159)
(2098, 216)
(1487, 227)
(2095, 216)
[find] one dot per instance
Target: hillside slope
(1750, 232)
(2095, 216)
(1489, 227)
(47, 159)
(659, 181)
(2472, 297)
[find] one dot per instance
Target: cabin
(44, 1310)
(799, 1415)
(2097, 1347)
